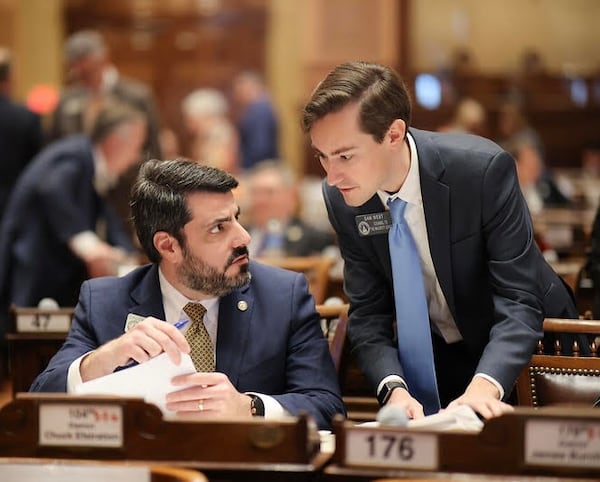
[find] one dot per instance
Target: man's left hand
(483, 397)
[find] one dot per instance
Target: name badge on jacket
(133, 320)
(374, 223)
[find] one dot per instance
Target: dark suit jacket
(53, 200)
(496, 282)
(275, 347)
(20, 139)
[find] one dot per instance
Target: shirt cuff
(390, 378)
(493, 381)
(73, 375)
(273, 409)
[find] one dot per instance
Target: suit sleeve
(310, 374)
(80, 340)
(63, 207)
(516, 269)
(370, 322)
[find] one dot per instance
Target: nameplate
(80, 425)
(394, 449)
(35, 321)
(560, 443)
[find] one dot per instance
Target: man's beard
(198, 276)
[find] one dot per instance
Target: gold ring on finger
(201, 405)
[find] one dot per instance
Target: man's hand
(103, 260)
(208, 395)
(402, 398)
(144, 341)
(483, 397)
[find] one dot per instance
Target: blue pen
(179, 325)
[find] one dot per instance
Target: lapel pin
(242, 305)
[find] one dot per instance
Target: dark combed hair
(380, 92)
(159, 197)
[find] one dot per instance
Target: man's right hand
(402, 398)
(142, 342)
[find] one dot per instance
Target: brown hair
(378, 89)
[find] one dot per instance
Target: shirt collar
(103, 179)
(410, 191)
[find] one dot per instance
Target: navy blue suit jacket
(275, 347)
(20, 139)
(497, 285)
(53, 200)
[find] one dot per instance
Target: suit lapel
(146, 296)
(235, 316)
(436, 204)
(379, 242)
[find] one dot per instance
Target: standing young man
(486, 285)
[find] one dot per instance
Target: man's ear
(397, 132)
(166, 245)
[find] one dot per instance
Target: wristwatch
(387, 388)
(257, 407)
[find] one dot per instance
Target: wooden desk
(109, 428)
(546, 444)
(29, 354)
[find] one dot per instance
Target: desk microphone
(393, 415)
(48, 304)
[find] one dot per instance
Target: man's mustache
(236, 253)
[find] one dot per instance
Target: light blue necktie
(412, 314)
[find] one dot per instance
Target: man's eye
(346, 157)
(217, 228)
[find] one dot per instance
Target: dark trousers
(454, 365)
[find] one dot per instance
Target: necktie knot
(397, 207)
(195, 311)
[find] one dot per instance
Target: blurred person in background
(469, 118)
(58, 230)
(256, 120)
(20, 132)
(274, 224)
(214, 138)
(92, 77)
(517, 136)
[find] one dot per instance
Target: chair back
(315, 268)
(559, 379)
(334, 320)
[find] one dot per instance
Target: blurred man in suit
(257, 123)
(57, 230)
(91, 78)
(262, 355)
(274, 224)
(20, 133)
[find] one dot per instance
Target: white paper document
(150, 380)
(461, 418)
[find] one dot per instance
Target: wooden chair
(361, 404)
(315, 268)
(335, 321)
(559, 379)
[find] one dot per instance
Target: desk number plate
(562, 443)
(392, 449)
(81, 425)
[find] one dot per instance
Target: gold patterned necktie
(201, 348)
